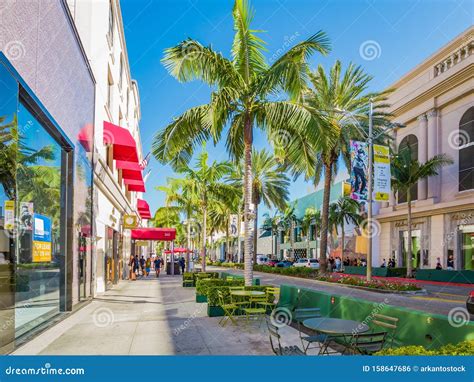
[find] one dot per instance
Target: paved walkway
(439, 299)
(150, 316)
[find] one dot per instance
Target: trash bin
(176, 268)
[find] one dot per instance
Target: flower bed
(462, 348)
(374, 284)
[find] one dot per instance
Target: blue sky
(386, 37)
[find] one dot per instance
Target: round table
(335, 325)
(247, 293)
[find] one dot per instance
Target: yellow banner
(381, 154)
(382, 186)
(9, 214)
(41, 251)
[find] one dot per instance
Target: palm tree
(272, 223)
(206, 181)
(186, 201)
(312, 217)
(406, 172)
(287, 222)
(242, 97)
(338, 102)
(269, 184)
(344, 211)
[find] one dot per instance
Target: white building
(99, 24)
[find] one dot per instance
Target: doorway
(415, 248)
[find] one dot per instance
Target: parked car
(262, 259)
(470, 302)
(272, 263)
(301, 263)
(284, 264)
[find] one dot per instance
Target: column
(422, 152)
(433, 181)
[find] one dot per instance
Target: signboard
(359, 165)
(130, 221)
(381, 173)
(233, 222)
(9, 214)
(42, 248)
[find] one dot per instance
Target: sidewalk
(150, 316)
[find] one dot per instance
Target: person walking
(182, 264)
(136, 266)
(148, 266)
(142, 265)
(157, 264)
(131, 267)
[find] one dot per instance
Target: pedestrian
(148, 265)
(142, 265)
(384, 264)
(438, 264)
(450, 263)
(338, 264)
(157, 264)
(136, 266)
(131, 266)
(182, 264)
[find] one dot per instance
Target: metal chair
(240, 302)
(252, 309)
(386, 322)
(270, 301)
(275, 342)
(366, 343)
(229, 309)
(301, 314)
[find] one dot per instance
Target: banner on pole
(381, 173)
(359, 165)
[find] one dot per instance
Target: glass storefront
(45, 267)
(415, 248)
(467, 247)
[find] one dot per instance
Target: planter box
(465, 277)
(201, 298)
(376, 271)
(215, 311)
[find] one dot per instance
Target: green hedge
(202, 286)
(303, 272)
(376, 271)
(466, 277)
(213, 299)
(462, 348)
(194, 276)
(224, 275)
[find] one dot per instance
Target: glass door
(467, 248)
(415, 248)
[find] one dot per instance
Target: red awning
(125, 147)
(130, 170)
(142, 205)
(177, 250)
(135, 185)
(164, 234)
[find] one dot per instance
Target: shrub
(462, 348)
(213, 299)
(202, 286)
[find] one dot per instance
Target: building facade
(47, 101)
(117, 102)
(436, 103)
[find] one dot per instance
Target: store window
(410, 142)
(467, 247)
(466, 151)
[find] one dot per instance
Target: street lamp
(370, 142)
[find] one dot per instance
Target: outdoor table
(335, 327)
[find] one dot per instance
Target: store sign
(359, 164)
(130, 221)
(381, 173)
(9, 214)
(42, 247)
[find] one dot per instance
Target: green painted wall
(415, 327)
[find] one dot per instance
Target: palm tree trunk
(343, 236)
(204, 228)
(227, 247)
(188, 241)
(248, 141)
(292, 240)
(255, 233)
(409, 255)
(325, 219)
